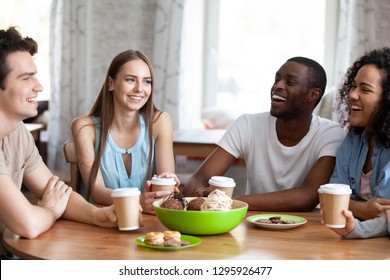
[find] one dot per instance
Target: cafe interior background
(213, 59)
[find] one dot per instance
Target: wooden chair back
(71, 158)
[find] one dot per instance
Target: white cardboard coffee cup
(126, 205)
(163, 184)
(334, 199)
(222, 183)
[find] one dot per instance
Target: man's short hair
(11, 41)
(316, 73)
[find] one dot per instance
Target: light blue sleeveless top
(111, 164)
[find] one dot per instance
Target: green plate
(298, 221)
(192, 241)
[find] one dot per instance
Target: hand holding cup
(334, 199)
(127, 207)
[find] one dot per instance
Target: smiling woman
(362, 161)
(124, 140)
(18, 13)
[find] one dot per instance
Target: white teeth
(354, 107)
(137, 98)
(277, 97)
(32, 100)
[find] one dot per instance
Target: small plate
(192, 241)
(298, 221)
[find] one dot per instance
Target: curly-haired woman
(363, 160)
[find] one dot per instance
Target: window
(33, 20)
(252, 39)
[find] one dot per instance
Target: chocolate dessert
(174, 201)
(195, 204)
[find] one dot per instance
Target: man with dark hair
(289, 152)
(20, 161)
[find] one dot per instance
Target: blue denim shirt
(350, 159)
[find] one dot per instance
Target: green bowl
(201, 222)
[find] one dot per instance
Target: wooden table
(35, 129)
(312, 241)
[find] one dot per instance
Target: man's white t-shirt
(271, 166)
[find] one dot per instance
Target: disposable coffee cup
(126, 205)
(163, 184)
(334, 199)
(320, 192)
(222, 183)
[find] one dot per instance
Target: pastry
(172, 238)
(171, 234)
(274, 220)
(195, 204)
(174, 201)
(154, 238)
(217, 201)
(173, 204)
(166, 238)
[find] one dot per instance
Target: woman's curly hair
(381, 119)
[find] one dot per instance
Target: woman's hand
(171, 175)
(149, 197)
(349, 224)
(387, 212)
(370, 209)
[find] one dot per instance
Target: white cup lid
(335, 189)
(222, 181)
(125, 192)
(163, 181)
